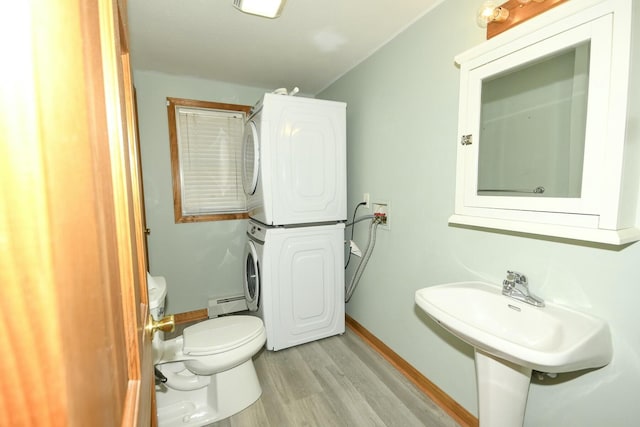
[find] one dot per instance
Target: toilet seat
(220, 335)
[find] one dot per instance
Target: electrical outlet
(365, 199)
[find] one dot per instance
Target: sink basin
(548, 339)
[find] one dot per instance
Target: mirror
(532, 127)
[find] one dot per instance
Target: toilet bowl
(209, 370)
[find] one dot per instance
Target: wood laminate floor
(337, 381)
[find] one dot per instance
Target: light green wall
(199, 260)
(402, 121)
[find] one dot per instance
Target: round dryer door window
(250, 158)
(251, 276)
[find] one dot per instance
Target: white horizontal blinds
(209, 150)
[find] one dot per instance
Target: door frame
(74, 299)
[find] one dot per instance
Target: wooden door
(72, 258)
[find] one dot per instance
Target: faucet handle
(514, 276)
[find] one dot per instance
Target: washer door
(250, 158)
(251, 276)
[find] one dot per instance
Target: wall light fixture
(491, 11)
(497, 18)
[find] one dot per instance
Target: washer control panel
(256, 231)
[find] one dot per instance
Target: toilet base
(228, 393)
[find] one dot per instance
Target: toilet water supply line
(355, 279)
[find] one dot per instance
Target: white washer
(294, 160)
(294, 280)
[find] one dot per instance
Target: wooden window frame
(172, 104)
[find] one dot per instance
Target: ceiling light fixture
(266, 8)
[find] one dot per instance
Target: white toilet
(209, 368)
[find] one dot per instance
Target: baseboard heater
(226, 305)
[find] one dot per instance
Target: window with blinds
(206, 145)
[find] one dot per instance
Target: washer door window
(251, 277)
(250, 158)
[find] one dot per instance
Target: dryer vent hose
(351, 287)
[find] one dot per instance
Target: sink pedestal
(502, 391)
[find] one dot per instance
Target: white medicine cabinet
(542, 145)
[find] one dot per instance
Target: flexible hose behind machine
(355, 279)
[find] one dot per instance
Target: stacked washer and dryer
(295, 178)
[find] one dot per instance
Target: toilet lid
(220, 334)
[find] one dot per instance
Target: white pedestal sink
(512, 338)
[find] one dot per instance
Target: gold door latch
(166, 324)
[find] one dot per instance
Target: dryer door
(251, 279)
(250, 158)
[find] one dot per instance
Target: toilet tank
(157, 287)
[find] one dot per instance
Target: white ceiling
(311, 44)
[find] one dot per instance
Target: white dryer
(294, 160)
(294, 280)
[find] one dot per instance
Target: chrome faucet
(516, 286)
